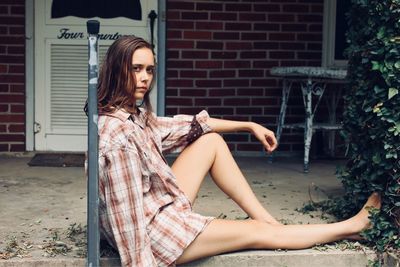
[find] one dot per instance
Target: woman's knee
(211, 138)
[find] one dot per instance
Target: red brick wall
(219, 54)
(12, 75)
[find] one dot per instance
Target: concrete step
(298, 258)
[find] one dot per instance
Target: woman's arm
(265, 136)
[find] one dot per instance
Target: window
(334, 35)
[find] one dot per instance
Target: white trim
(29, 77)
(161, 45)
(329, 30)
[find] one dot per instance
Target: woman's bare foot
(361, 220)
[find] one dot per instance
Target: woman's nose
(144, 76)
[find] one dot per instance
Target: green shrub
(372, 117)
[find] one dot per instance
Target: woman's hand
(266, 137)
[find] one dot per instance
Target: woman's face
(143, 67)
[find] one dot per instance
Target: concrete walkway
(43, 214)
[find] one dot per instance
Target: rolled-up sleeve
(124, 202)
(179, 131)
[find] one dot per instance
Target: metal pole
(93, 234)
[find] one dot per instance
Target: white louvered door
(61, 66)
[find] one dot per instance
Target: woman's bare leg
(211, 154)
(224, 236)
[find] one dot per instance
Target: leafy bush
(372, 117)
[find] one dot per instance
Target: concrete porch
(43, 207)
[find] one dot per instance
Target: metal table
(313, 81)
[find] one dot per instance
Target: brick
(194, 15)
(174, 34)
(293, 63)
(16, 69)
(252, 16)
(12, 2)
(238, 45)
(224, 16)
(265, 64)
(267, 8)
(207, 101)
(209, 25)
(3, 30)
(4, 10)
(238, 7)
(18, 10)
(3, 88)
(281, 36)
(248, 111)
(14, 88)
(193, 74)
(264, 101)
(171, 111)
(171, 92)
(172, 54)
(266, 45)
(12, 59)
(173, 15)
(309, 37)
(315, 28)
(180, 64)
(233, 26)
(251, 73)
(3, 48)
(281, 54)
(179, 101)
(208, 83)
(237, 64)
(180, 24)
(294, 27)
(292, 46)
(192, 92)
(209, 64)
(236, 82)
(9, 20)
(191, 110)
(12, 138)
(3, 128)
(20, 50)
(209, 6)
(236, 118)
(14, 128)
(3, 108)
(197, 35)
(261, 119)
(12, 40)
(253, 36)
(12, 98)
(263, 82)
(237, 101)
(249, 147)
(220, 111)
(3, 68)
(295, 8)
(171, 44)
(309, 55)
(253, 54)
(221, 92)
(179, 5)
(317, 8)
(17, 108)
(12, 78)
(226, 35)
(222, 73)
(224, 55)
(236, 137)
(179, 83)
(271, 111)
(209, 45)
(266, 27)
(310, 18)
(194, 54)
(314, 46)
(281, 18)
(17, 147)
(4, 147)
(250, 92)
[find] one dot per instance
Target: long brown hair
(117, 82)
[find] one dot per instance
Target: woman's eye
(150, 70)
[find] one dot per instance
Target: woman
(145, 205)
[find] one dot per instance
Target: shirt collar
(123, 115)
